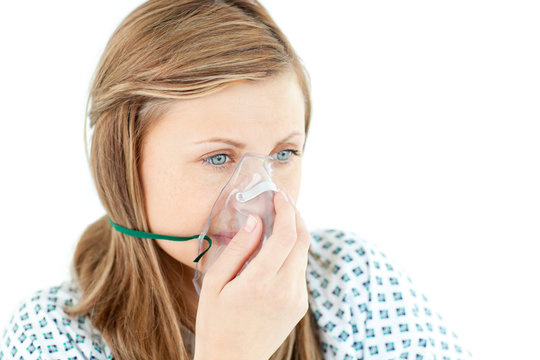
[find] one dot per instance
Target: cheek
(184, 252)
(182, 211)
(177, 204)
(289, 179)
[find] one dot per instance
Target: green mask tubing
(146, 235)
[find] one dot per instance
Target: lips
(223, 237)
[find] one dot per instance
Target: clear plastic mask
(249, 190)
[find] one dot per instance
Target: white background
(424, 139)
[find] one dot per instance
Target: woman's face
(190, 152)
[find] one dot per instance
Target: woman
(182, 91)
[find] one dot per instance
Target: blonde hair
(163, 51)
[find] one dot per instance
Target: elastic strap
(147, 235)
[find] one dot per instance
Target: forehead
(275, 103)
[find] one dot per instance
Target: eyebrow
(241, 145)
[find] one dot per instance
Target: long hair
(163, 51)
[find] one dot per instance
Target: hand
(250, 315)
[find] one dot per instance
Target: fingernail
(250, 224)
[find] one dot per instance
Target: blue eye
(284, 155)
(217, 160)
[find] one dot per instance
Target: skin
(261, 305)
(180, 186)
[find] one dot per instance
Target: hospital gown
(365, 307)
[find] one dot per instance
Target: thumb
(235, 254)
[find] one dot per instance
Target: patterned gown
(365, 307)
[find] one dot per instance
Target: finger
(229, 263)
(278, 246)
(296, 262)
